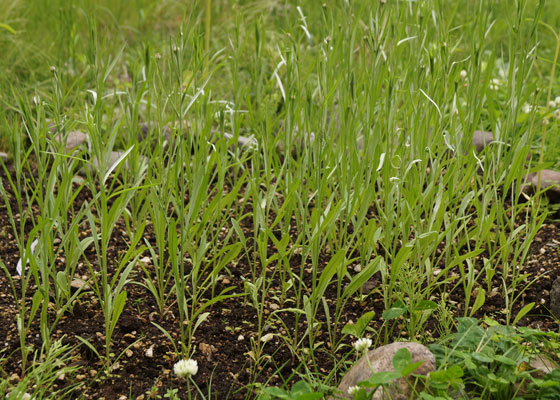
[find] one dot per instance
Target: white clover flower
(184, 368)
(557, 113)
(526, 108)
(352, 390)
(545, 122)
(463, 74)
(557, 101)
(494, 83)
(551, 104)
(362, 344)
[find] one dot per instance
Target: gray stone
(542, 365)
(550, 180)
(72, 140)
(481, 139)
(381, 359)
(78, 284)
(555, 298)
(3, 156)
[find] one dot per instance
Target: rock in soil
(381, 359)
(550, 180)
(542, 365)
(481, 139)
(72, 140)
(555, 298)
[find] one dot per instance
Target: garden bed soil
(223, 341)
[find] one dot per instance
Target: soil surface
(224, 341)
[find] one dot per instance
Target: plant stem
(207, 37)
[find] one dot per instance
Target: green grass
(389, 73)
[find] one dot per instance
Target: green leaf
(8, 28)
(361, 394)
(62, 283)
(479, 301)
(380, 378)
(401, 359)
(505, 360)
(410, 368)
(455, 371)
(201, 318)
(350, 329)
(118, 307)
(447, 375)
(310, 396)
(481, 357)
(393, 312)
(469, 364)
(277, 392)
(360, 326)
(301, 387)
(90, 346)
(327, 274)
(35, 303)
(523, 311)
(361, 278)
(425, 305)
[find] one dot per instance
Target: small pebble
(267, 337)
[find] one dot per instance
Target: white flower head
(463, 74)
(494, 84)
(185, 368)
(526, 108)
(352, 390)
(557, 101)
(551, 104)
(557, 113)
(362, 344)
